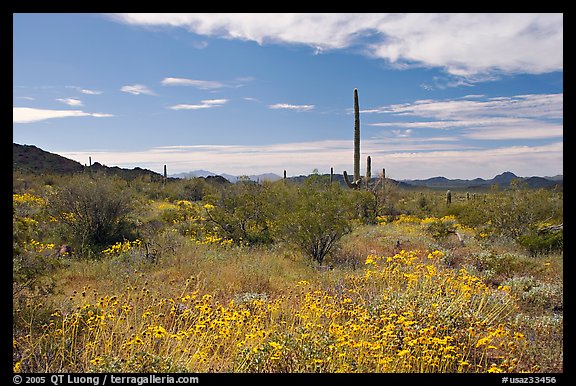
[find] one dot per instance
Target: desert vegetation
(199, 276)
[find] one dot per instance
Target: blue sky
(454, 95)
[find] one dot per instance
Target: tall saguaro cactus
(355, 183)
(356, 137)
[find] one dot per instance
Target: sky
(453, 95)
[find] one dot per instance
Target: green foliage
(542, 242)
(320, 215)
(93, 212)
(503, 265)
(243, 212)
(440, 228)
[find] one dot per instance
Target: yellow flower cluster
(401, 313)
(407, 219)
(211, 239)
(39, 247)
(122, 247)
(28, 199)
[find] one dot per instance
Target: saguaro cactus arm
(352, 184)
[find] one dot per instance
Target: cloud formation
(85, 90)
(28, 115)
(205, 84)
(465, 45)
(534, 116)
(90, 92)
(137, 89)
(286, 106)
(205, 104)
(70, 101)
(201, 84)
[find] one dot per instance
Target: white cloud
(533, 105)
(201, 84)
(29, 115)
(70, 101)
(137, 89)
(465, 45)
(90, 92)
(534, 116)
(85, 90)
(206, 84)
(205, 104)
(287, 106)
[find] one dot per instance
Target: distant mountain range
(229, 177)
(502, 180)
(31, 159)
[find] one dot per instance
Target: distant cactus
(448, 197)
(331, 175)
(355, 183)
(368, 171)
(284, 173)
(383, 181)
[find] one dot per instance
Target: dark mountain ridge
(31, 159)
(502, 180)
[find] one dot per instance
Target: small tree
(93, 211)
(319, 217)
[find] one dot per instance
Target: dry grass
(422, 306)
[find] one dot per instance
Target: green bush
(243, 212)
(539, 242)
(93, 212)
(319, 216)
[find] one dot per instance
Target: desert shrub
(319, 216)
(514, 212)
(34, 277)
(33, 262)
(439, 228)
(242, 212)
(542, 242)
(93, 212)
(536, 296)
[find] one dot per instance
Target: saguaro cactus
(368, 170)
(448, 197)
(355, 183)
(383, 181)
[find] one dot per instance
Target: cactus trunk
(383, 181)
(355, 183)
(356, 137)
(368, 170)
